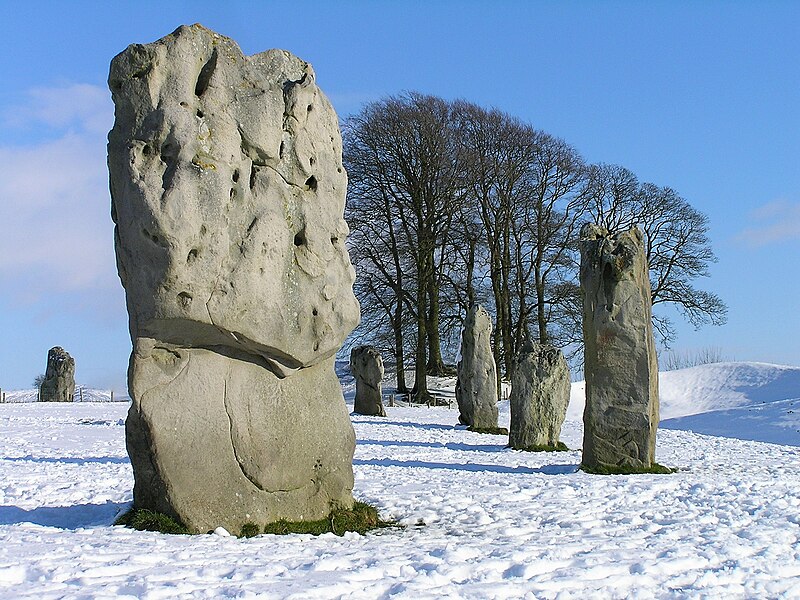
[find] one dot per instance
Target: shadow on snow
(76, 516)
(74, 460)
(544, 470)
(448, 446)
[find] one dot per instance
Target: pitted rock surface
(540, 389)
(59, 378)
(366, 365)
(621, 414)
(228, 193)
(476, 386)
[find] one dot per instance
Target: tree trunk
(506, 334)
(435, 362)
(420, 391)
(470, 272)
(399, 360)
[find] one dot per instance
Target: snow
(749, 401)
(481, 520)
(82, 394)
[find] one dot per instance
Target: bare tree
(38, 381)
(553, 213)
(528, 191)
(405, 167)
(676, 237)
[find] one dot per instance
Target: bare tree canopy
(404, 162)
(678, 249)
(451, 204)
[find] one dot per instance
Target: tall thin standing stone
(227, 191)
(476, 386)
(621, 414)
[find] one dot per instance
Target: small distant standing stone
(59, 379)
(621, 414)
(476, 387)
(366, 365)
(539, 397)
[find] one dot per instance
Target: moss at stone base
(560, 447)
(361, 519)
(655, 468)
(491, 430)
(147, 520)
(249, 530)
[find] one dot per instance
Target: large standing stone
(366, 365)
(540, 388)
(59, 378)
(228, 193)
(621, 414)
(476, 387)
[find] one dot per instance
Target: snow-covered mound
(744, 400)
(82, 394)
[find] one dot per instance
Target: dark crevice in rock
(169, 156)
(185, 299)
(205, 75)
(253, 174)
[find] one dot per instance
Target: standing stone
(476, 387)
(59, 378)
(621, 414)
(540, 388)
(227, 191)
(366, 365)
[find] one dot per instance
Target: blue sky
(701, 96)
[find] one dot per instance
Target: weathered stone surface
(540, 388)
(228, 193)
(476, 387)
(366, 365)
(621, 415)
(59, 378)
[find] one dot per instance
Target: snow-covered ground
(748, 401)
(498, 523)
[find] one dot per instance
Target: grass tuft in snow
(361, 519)
(490, 430)
(249, 530)
(655, 469)
(559, 447)
(148, 520)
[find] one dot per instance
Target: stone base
(232, 439)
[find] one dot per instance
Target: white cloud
(56, 234)
(77, 106)
(774, 222)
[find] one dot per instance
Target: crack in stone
(230, 433)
